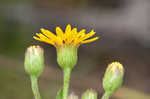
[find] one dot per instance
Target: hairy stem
(67, 72)
(106, 95)
(35, 89)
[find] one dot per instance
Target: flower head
(69, 37)
(66, 43)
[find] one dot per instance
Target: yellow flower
(66, 43)
(69, 37)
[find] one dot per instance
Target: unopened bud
(89, 94)
(34, 60)
(72, 96)
(113, 77)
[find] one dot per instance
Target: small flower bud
(89, 94)
(34, 60)
(113, 77)
(67, 56)
(72, 96)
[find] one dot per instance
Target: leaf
(60, 94)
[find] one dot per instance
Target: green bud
(67, 56)
(113, 77)
(72, 96)
(89, 94)
(34, 60)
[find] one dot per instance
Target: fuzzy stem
(35, 90)
(67, 72)
(106, 95)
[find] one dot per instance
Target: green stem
(67, 72)
(35, 90)
(106, 95)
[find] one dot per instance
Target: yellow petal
(72, 35)
(90, 40)
(74, 31)
(49, 34)
(41, 36)
(89, 35)
(44, 40)
(59, 41)
(52, 36)
(36, 38)
(81, 33)
(68, 28)
(78, 37)
(49, 42)
(59, 32)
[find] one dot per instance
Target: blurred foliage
(106, 4)
(14, 1)
(15, 83)
(13, 37)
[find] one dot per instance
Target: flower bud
(89, 94)
(113, 77)
(34, 60)
(72, 96)
(67, 56)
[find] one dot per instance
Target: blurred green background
(122, 25)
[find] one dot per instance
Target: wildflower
(69, 37)
(66, 43)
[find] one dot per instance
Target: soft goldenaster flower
(69, 37)
(66, 43)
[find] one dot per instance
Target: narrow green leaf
(60, 94)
